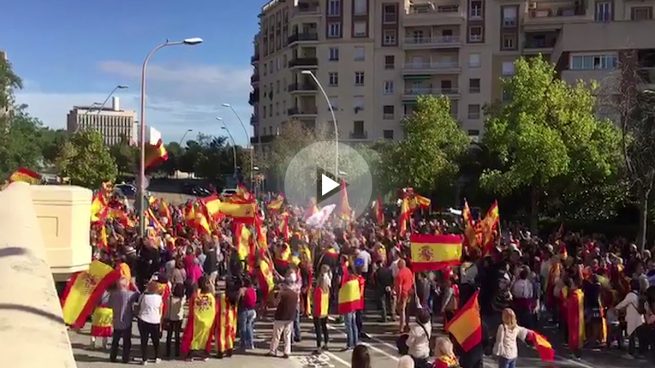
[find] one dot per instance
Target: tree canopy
(86, 161)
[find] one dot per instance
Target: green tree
(20, 144)
(547, 133)
(8, 82)
(86, 161)
(125, 156)
(175, 153)
(51, 142)
(430, 151)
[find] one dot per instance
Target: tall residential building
(114, 124)
(374, 57)
(4, 110)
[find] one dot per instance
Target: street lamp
(234, 148)
(184, 136)
(142, 115)
(99, 106)
(334, 119)
(247, 137)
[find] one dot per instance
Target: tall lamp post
(98, 106)
(234, 145)
(142, 115)
(334, 120)
(184, 136)
(248, 139)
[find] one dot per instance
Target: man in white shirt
(365, 258)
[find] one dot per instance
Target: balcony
(413, 93)
(539, 43)
(254, 119)
(432, 42)
(553, 18)
(302, 87)
(304, 111)
(305, 62)
(302, 37)
(254, 59)
(263, 139)
(254, 79)
(254, 98)
(428, 16)
(433, 67)
(307, 10)
(390, 18)
(359, 135)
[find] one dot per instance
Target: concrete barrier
(32, 332)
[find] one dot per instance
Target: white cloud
(180, 97)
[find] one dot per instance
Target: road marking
(371, 346)
(332, 356)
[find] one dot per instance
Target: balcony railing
(254, 59)
(359, 135)
(307, 9)
(431, 65)
(254, 97)
(302, 111)
(390, 18)
(430, 91)
(268, 138)
(302, 87)
(254, 119)
(445, 40)
(438, 10)
(307, 61)
(540, 44)
(254, 78)
(303, 36)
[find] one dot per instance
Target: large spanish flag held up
(265, 277)
(83, 291)
(240, 212)
(435, 252)
(242, 239)
(212, 206)
(418, 201)
(470, 239)
(349, 296)
(487, 227)
(543, 346)
(25, 175)
(575, 319)
(200, 323)
(275, 204)
(466, 325)
(155, 152)
(403, 219)
(226, 324)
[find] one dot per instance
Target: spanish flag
(99, 209)
(25, 175)
(153, 221)
(379, 211)
(543, 346)
(403, 219)
(165, 211)
(466, 325)
(103, 242)
(345, 212)
(487, 227)
(200, 323)
(240, 212)
(202, 225)
(435, 252)
(283, 227)
(155, 151)
(226, 324)
(260, 229)
(212, 206)
(575, 319)
(242, 240)
(275, 204)
(242, 195)
(265, 278)
(122, 217)
(320, 303)
(83, 291)
(469, 227)
(349, 296)
(419, 201)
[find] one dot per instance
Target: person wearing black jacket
(383, 287)
(211, 264)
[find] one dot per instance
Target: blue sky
(73, 52)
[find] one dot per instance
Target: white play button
(327, 185)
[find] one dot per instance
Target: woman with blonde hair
(505, 347)
(320, 307)
(445, 357)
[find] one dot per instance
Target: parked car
(196, 190)
(126, 190)
(227, 193)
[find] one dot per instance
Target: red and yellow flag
(345, 212)
(260, 229)
(575, 319)
(283, 226)
(242, 195)
(349, 296)
(212, 206)
(202, 225)
(154, 222)
(242, 239)
(320, 303)
(543, 346)
(435, 252)
(25, 175)
(487, 228)
(265, 277)
(226, 324)
(418, 201)
(379, 211)
(99, 209)
(240, 212)
(83, 291)
(155, 154)
(403, 219)
(200, 323)
(470, 239)
(276, 204)
(466, 325)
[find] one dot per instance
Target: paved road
(381, 344)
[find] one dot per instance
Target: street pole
(142, 138)
(120, 86)
(234, 149)
(252, 165)
(334, 120)
(184, 136)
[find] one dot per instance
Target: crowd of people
(196, 286)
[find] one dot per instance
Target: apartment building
(4, 110)
(374, 57)
(114, 124)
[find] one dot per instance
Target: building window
(334, 53)
(508, 41)
(264, 114)
(475, 9)
(277, 109)
(358, 54)
(508, 68)
(334, 30)
(358, 103)
(603, 11)
(510, 14)
(359, 28)
(474, 112)
(358, 129)
(359, 78)
(475, 34)
(388, 87)
(387, 134)
(474, 135)
(593, 62)
(446, 86)
(474, 85)
(389, 62)
(360, 7)
(270, 110)
(474, 60)
(334, 102)
(334, 8)
(333, 79)
(388, 112)
(641, 13)
(389, 37)
(277, 86)
(389, 14)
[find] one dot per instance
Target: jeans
(246, 326)
(360, 322)
(320, 328)
(296, 326)
(173, 329)
(126, 335)
(351, 330)
(152, 331)
(384, 300)
(506, 363)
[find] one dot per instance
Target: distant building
(114, 124)
(4, 110)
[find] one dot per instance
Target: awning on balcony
(418, 77)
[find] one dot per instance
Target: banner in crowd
(466, 325)
(83, 292)
(199, 329)
(435, 252)
(226, 324)
(349, 296)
